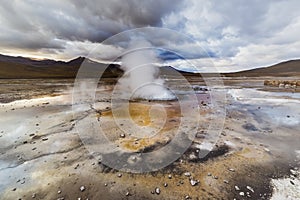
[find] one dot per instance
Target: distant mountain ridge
(286, 68)
(21, 67)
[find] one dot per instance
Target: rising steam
(140, 80)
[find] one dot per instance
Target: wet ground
(43, 156)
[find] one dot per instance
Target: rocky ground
(44, 157)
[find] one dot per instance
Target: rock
(127, 194)
(232, 170)
(192, 157)
(165, 184)
(157, 190)
(209, 174)
(169, 176)
(82, 188)
(58, 192)
(119, 175)
(225, 181)
(248, 194)
(281, 85)
(33, 195)
(122, 135)
(294, 172)
(250, 188)
(187, 197)
(236, 188)
(188, 174)
(242, 194)
(194, 182)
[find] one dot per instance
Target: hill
(284, 69)
(26, 68)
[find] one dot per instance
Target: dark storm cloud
(34, 24)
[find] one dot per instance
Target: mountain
(287, 68)
(20, 67)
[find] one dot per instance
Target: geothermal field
(238, 140)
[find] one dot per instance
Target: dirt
(42, 156)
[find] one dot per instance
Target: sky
(235, 34)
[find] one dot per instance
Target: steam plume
(141, 74)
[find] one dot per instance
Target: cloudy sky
(235, 34)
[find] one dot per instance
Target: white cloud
(245, 35)
(237, 34)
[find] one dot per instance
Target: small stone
(215, 177)
(127, 194)
(187, 197)
(267, 150)
(188, 174)
(119, 175)
(157, 190)
(14, 189)
(292, 182)
(231, 169)
(242, 194)
(237, 188)
(58, 192)
(33, 195)
(250, 188)
(82, 188)
(134, 158)
(122, 135)
(193, 182)
(294, 172)
(209, 174)
(169, 176)
(248, 194)
(165, 184)
(225, 181)
(44, 139)
(105, 184)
